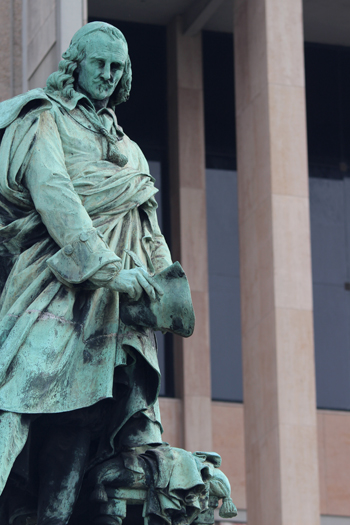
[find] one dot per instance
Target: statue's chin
(103, 93)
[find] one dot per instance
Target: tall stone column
(275, 262)
(6, 73)
(10, 48)
(71, 16)
(189, 232)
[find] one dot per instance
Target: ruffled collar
(71, 103)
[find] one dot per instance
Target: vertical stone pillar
(189, 232)
(17, 38)
(10, 48)
(275, 261)
(71, 16)
(6, 51)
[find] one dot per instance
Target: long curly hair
(65, 78)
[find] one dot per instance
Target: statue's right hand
(134, 282)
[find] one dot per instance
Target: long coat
(63, 200)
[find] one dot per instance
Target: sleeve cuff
(85, 255)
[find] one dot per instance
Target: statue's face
(102, 67)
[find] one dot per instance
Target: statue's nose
(106, 73)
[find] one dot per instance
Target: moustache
(104, 83)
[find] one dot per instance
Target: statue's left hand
(134, 282)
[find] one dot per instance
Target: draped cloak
(60, 344)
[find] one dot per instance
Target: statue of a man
(77, 212)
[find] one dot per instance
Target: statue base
(157, 486)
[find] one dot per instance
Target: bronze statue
(84, 268)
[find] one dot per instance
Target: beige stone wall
(5, 50)
(33, 35)
(172, 420)
(71, 15)
(10, 48)
(17, 47)
(334, 462)
(51, 25)
(228, 441)
(41, 38)
(193, 420)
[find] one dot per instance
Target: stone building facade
(288, 462)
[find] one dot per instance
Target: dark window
(222, 217)
(144, 119)
(219, 100)
(224, 285)
(327, 74)
(330, 234)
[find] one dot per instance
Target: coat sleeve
(83, 251)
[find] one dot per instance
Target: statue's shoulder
(10, 109)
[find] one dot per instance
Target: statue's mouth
(105, 86)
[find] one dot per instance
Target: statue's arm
(83, 252)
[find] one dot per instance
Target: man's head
(96, 63)
(103, 66)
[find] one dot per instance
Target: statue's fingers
(132, 293)
(112, 285)
(153, 283)
(138, 290)
(149, 289)
(138, 293)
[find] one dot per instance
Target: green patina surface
(87, 277)
(69, 197)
